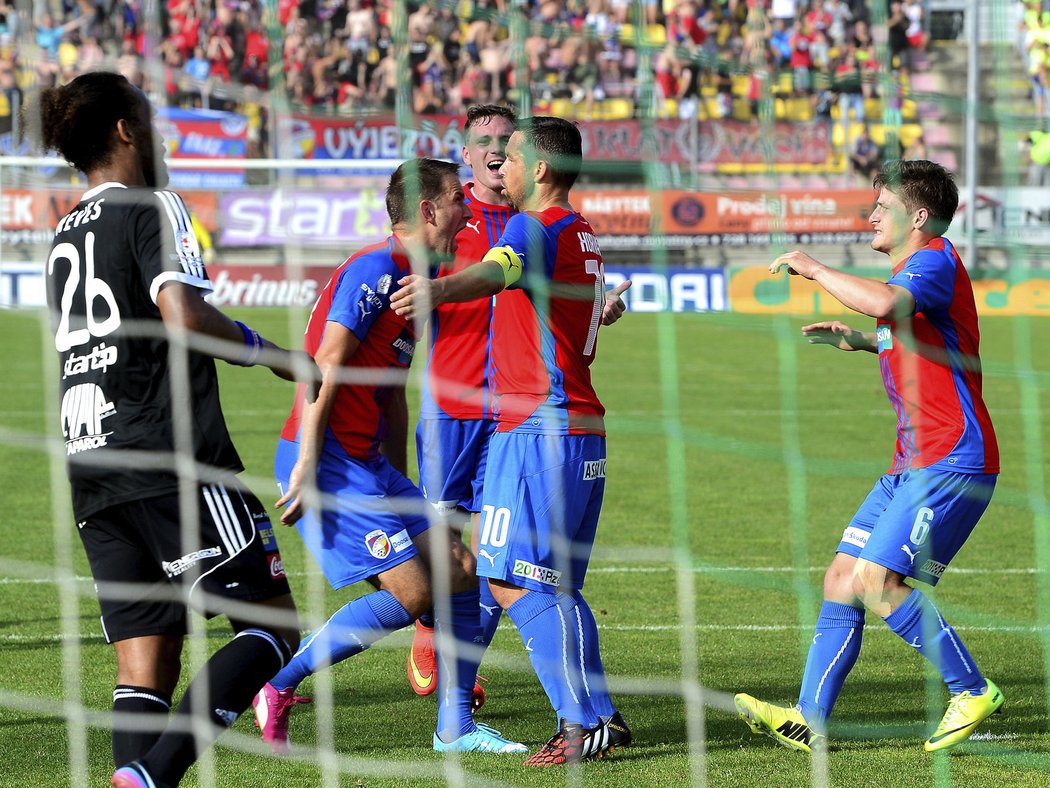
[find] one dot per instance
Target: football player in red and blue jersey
(944, 470)
(341, 461)
(546, 463)
(455, 415)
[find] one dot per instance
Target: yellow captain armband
(508, 260)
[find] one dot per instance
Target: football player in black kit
(164, 521)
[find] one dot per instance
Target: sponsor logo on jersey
(378, 544)
(593, 469)
(910, 553)
(368, 300)
(266, 534)
(276, 566)
(885, 338)
(400, 541)
(405, 346)
(540, 574)
(180, 565)
(931, 567)
(383, 285)
(475, 226)
(102, 356)
(855, 536)
(83, 408)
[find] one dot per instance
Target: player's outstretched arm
(183, 306)
(614, 305)
(867, 296)
(338, 345)
(836, 334)
(418, 295)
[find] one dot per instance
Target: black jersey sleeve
(164, 245)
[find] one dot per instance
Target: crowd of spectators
(710, 58)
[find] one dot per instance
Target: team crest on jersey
(383, 285)
(885, 338)
(378, 544)
(187, 244)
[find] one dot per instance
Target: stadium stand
(712, 59)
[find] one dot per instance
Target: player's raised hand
(614, 305)
(836, 334)
(798, 263)
(415, 297)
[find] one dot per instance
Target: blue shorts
(914, 523)
(372, 514)
(540, 507)
(452, 454)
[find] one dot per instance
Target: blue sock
(919, 624)
(457, 659)
(352, 629)
(491, 613)
(550, 629)
(836, 645)
(592, 659)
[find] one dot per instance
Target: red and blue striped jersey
(358, 297)
(545, 327)
(455, 385)
(931, 368)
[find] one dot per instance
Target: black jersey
(110, 256)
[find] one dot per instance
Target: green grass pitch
(737, 453)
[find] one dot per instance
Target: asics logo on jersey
(911, 555)
(475, 226)
(490, 556)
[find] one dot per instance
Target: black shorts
(146, 577)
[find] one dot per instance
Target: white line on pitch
(22, 638)
(626, 570)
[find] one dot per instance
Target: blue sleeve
(929, 275)
(525, 235)
(363, 293)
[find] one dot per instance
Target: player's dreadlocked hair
(922, 184)
(78, 119)
(557, 142)
(416, 179)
